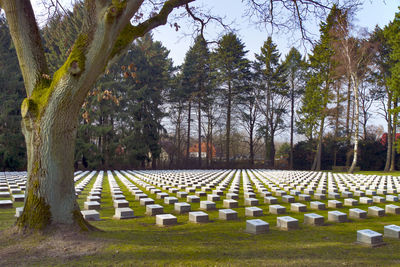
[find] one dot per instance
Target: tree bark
(291, 123)
(188, 130)
(228, 123)
(356, 119)
(199, 129)
(389, 134)
(394, 139)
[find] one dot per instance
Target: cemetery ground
(140, 242)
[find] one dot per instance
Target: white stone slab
(287, 223)
(337, 216)
(369, 237)
(256, 226)
(155, 209)
(392, 209)
(123, 213)
(227, 214)
(198, 217)
(91, 215)
(357, 214)
(182, 207)
(253, 212)
(376, 211)
(313, 219)
(392, 231)
(277, 209)
(166, 220)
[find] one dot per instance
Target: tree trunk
(188, 130)
(317, 159)
(356, 119)
(50, 138)
(291, 124)
(251, 146)
(394, 139)
(199, 129)
(228, 123)
(272, 151)
(348, 134)
(389, 135)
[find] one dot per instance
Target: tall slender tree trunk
(356, 119)
(188, 130)
(199, 128)
(228, 123)
(251, 146)
(348, 134)
(272, 150)
(336, 133)
(394, 139)
(389, 134)
(178, 133)
(318, 155)
(291, 124)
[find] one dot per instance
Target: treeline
(219, 109)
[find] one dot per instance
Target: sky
(375, 12)
(371, 13)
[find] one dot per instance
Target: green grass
(139, 242)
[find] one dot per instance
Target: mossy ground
(139, 242)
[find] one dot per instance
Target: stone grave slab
(91, 215)
(212, 197)
(378, 199)
(357, 214)
(337, 216)
(287, 199)
(277, 209)
(256, 226)
(182, 207)
(121, 203)
(392, 209)
(320, 196)
(181, 194)
(170, 200)
(298, 207)
(6, 204)
(392, 231)
(376, 211)
(18, 211)
(350, 202)
(335, 204)
(392, 198)
(155, 209)
(227, 214)
(369, 237)
(287, 223)
(253, 212)
(207, 205)
(192, 199)
(166, 220)
(123, 213)
(365, 200)
(146, 201)
(270, 200)
(304, 197)
(91, 205)
(5, 194)
(251, 202)
(313, 219)
(18, 198)
(198, 217)
(161, 195)
(316, 205)
(232, 196)
(230, 203)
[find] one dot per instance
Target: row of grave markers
(225, 185)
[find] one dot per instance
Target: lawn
(139, 242)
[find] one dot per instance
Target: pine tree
(272, 76)
(295, 68)
(231, 65)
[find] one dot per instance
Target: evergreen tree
(12, 146)
(295, 68)
(231, 66)
(272, 76)
(319, 83)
